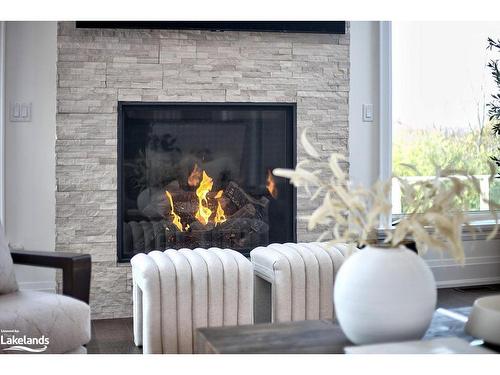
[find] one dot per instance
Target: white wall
(482, 265)
(364, 136)
(2, 121)
(30, 73)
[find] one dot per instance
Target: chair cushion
(65, 321)
(8, 282)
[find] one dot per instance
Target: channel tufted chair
(177, 291)
(295, 281)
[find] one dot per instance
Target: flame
(203, 213)
(176, 219)
(271, 185)
(195, 176)
(220, 216)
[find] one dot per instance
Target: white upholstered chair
(177, 291)
(63, 320)
(295, 281)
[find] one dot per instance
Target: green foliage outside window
(494, 104)
(458, 149)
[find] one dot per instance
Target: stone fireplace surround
(96, 68)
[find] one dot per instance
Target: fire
(220, 216)
(204, 212)
(271, 185)
(195, 176)
(176, 219)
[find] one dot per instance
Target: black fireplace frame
(292, 107)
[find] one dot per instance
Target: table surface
(306, 337)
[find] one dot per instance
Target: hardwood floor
(115, 336)
(461, 297)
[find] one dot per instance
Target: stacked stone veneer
(97, 68)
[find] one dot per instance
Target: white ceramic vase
(384, 295)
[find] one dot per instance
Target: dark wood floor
(115, 336)
(112, 336)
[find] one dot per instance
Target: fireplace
(199, 175)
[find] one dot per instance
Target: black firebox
(199, 175)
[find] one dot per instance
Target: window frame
(385, 106)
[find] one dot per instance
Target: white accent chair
(64, 320)
(177, 291)
(295, 281)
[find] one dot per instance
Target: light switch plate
(368, 112)
(20, 112)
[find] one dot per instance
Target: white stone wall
(97, 68)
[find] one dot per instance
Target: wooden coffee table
(307, 337)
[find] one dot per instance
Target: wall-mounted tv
(321, 27)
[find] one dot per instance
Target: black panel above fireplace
(199, 175)
(319, 27)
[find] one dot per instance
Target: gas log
(237, 198)
(245, 225)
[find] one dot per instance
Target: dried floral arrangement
(354, 214)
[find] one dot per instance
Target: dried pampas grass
(353, 214)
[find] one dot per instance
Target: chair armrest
(76, 269)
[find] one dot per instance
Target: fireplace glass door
(199, 175)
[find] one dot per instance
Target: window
(440, 87)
